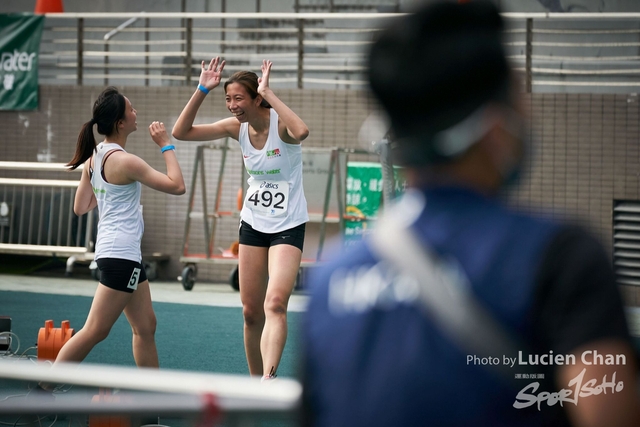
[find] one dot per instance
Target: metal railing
(36, 215)
(554, 51)
(188, 397)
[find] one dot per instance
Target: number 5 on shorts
(133, 281)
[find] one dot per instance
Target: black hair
(433, 68)
(108, 109)
(248, 80)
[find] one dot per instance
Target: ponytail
(108, 109)
(84, 147)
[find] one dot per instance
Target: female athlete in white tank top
(274, 208)
(111, 180)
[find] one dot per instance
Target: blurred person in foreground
(377, 354)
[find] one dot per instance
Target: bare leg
(284, 263)
(105, 309)
(139, 312)
(252, 270)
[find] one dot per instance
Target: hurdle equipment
(51, 340)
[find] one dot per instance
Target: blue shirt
(388, 364)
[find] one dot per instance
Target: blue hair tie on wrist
(167, 148)
(203, 89)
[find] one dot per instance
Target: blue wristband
(203, 89)
(167, 148)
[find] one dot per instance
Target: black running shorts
(121, 274)
(293, 236)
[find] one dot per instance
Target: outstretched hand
(263, 82)
(211, 75)
(159, 134)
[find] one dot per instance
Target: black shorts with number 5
(121, 274)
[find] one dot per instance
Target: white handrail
(30, 166)
(120, 28)
(570, 16)
(326, 15)
(27, 182)
(226, 15)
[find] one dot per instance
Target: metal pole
(192, 194)
(146, 50)
(79, 63)
(205, 207)
(50, 223)
(223, 9)
(106, 63)
(258, 47)
(188, 59)
(88, 234)
(300, 51)
(183, 24)
(333, 159)
(41, 219)
(216, 210)
(69, 218)
(22, 209)
(529, 52)
(341, 196)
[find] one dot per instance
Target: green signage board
(20, 35)
(364, 196)
(364, 189)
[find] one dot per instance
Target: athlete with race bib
(274, 212)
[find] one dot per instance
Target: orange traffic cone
(48, 6)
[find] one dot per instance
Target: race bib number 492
(269, 198)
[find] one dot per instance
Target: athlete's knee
(253, 314)
(146, 328)
(97, 333)
(275, 305)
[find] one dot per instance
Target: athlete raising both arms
(274, 213)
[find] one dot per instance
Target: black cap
(433, 69)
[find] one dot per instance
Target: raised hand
(263, 82)
(210, 76)
(159, 134)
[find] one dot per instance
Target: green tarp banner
(19, 50)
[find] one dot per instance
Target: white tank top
(120, 226)
(275, 199)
